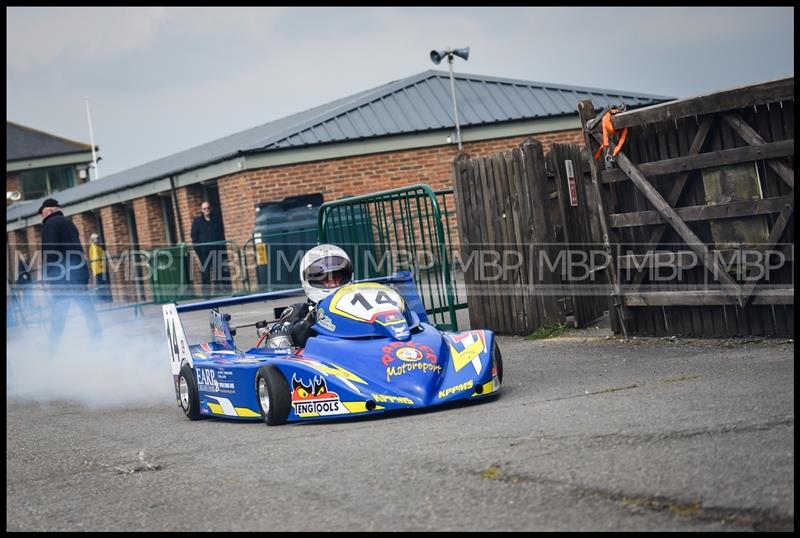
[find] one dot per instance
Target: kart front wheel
(497, 357)
(187, 390)
(274, 398)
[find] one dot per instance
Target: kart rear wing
(403, 281)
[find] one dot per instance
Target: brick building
(38, 165)
(394, 135)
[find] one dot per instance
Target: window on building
(61, 178)
(34, 184)
(46, 181)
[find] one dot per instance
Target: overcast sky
(161, 80)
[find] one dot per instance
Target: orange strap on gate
(608, 130)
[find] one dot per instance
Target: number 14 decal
(367, 302)
(380, 298)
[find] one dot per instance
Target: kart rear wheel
(274, 398)
(497, 357)
(187, 390)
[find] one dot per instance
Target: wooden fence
(699, 184)
(585, 283)
(514, 215)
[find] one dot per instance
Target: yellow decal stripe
(356, 407)
(245, 412)
(359, 407)
(216, 409)
(337, 371)
(488, 388)
(461, 359)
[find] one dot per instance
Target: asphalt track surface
(589, 433)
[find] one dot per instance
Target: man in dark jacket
(64, 270)
(207, 228)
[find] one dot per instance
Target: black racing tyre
(187, 389)
(498, 360)
(274, 397)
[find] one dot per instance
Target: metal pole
(453, 92)
(91, 139)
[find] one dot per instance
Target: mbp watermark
(483, 269)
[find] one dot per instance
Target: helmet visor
(329, 272)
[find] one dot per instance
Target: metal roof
(26, 143)
(423, 103)
(411, 105)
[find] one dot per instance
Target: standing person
(64, 271)
(97, 266)
(207, 228)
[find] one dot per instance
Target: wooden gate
(586, 284)
(699, 184)
(511, 210)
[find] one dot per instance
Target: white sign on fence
(573, 188)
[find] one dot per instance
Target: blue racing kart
(374, 351)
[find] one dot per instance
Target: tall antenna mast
(91, 139)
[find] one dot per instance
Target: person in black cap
(64, 270)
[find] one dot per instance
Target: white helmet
(323, 270)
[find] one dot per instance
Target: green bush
(549, 332)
